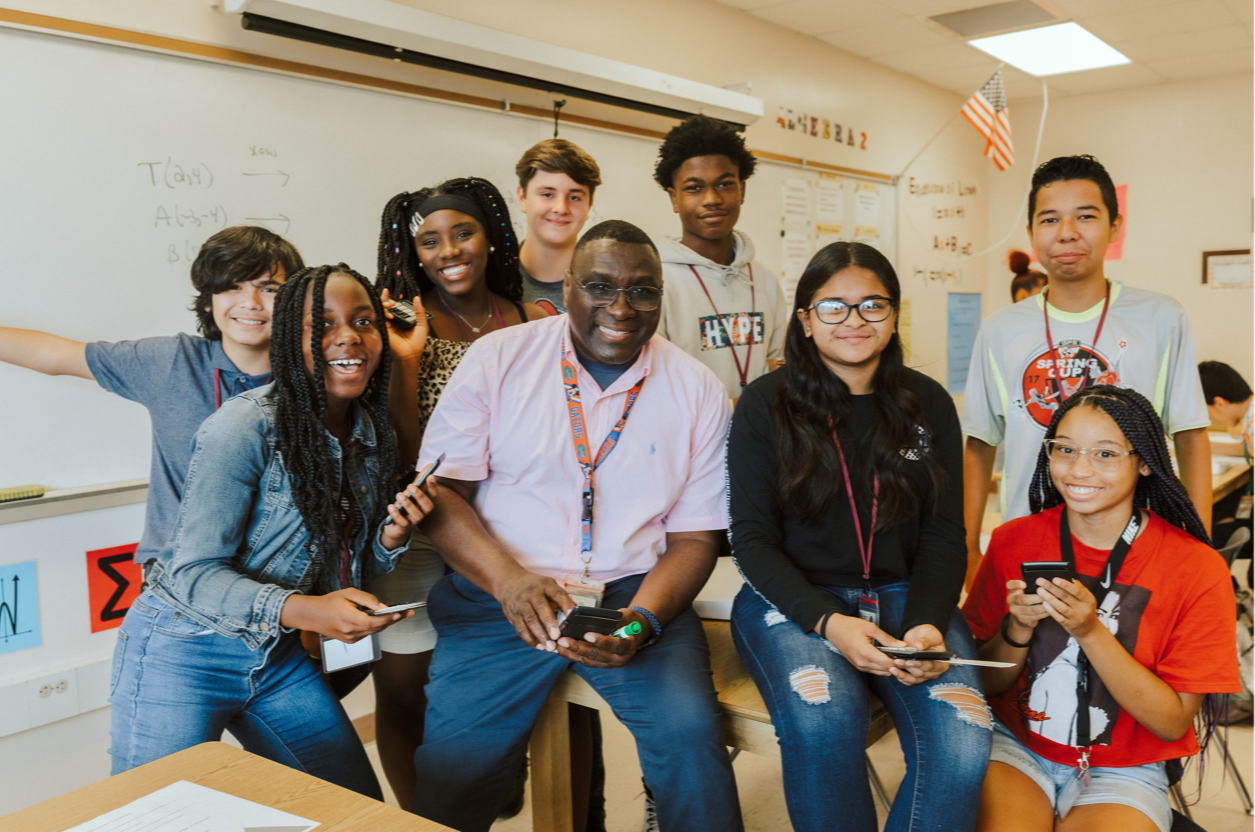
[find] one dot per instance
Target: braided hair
(301, 413)
(399, 269)
(1161, 492)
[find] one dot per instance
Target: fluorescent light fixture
(1051, 50)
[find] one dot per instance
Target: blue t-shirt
(172, 376)
(604, 374)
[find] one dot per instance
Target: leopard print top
(440, 359)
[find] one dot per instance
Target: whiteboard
(116, 164)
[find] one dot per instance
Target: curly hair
(400, 271)
(301, 415)
(1063, 168)
(1161, 492)
(701, 136)
(239, 254)
(813, 402)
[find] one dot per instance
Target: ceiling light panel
(1051, 50)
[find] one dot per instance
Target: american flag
(987, 111)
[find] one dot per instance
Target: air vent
(1000, 17)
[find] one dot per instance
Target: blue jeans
(487, 689)
(177, 683)
(819, 705)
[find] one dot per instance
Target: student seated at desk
(845, 484)
(1112, 667)
(1231, 404)
(281, 522)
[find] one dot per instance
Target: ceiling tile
(946, 56)
(1108, 78)
(963, 80)
(1205, 66)
(1081, 9)
(883, 38)
(750, 5)
(1244, 9)
(814, 17)
(928, 8)
(1185, 44)
(1164, 20)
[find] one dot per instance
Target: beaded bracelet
(1006, 619)
(653, 622)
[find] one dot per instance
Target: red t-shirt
(1171, 606)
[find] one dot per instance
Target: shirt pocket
(278, 488)
(175, 624)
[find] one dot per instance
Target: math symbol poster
(19, 607)
(113, 582)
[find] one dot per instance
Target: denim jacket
(239, 549)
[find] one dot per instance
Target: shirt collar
(1077, 317)
(640, 367)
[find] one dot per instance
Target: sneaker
(515, 804)
(651, 813)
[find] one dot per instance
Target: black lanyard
(1108, 579)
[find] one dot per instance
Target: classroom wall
(1184, 150)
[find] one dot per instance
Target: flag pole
(937, 135)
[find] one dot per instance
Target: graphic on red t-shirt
(1047, 696)
(1079, 365)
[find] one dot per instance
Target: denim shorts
(1145, 788)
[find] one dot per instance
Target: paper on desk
(187, 807)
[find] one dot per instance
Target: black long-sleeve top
(783, 560)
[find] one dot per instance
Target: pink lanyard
(217, 388)
(743, 372)
(1054, 354)
(864, 551)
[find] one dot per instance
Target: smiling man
(1082, 330)
(722, 308)
(540, 511)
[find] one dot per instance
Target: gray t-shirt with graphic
(548, 296)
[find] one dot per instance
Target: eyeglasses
(1102, 459)
(872, 310)
(640, 298)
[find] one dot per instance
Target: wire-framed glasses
(640, 298)
(872, 310)
(1101, 459)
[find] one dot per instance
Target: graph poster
(113, 582)
(19, 607)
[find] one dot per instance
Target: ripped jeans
(819, 705)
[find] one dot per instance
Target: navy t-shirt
(172, 376)
(604, 374)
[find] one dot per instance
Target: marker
(628, 630)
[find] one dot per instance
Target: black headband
(446, 202)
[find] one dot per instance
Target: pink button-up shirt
(502, 421)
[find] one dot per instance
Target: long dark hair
(814, 401)
(1161, 492)
(399, 269)
(301, 413)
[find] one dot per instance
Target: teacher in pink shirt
(584, 466)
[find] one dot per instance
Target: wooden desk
(746, 725)
(230, 770)
(1222, 485)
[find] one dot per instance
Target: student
(721, 307)
(1093, 330)
(1231, 404)
(508, 520)
(181, 379)
(846, 423)
(446, 249)
(281, 523)
(1152, 632)
(556, 184)
(1027, 281)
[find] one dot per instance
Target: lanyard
(864, 551)
(1114, 561)
(1054, 354)
(217, 388)
(742, 371)
(579, 435)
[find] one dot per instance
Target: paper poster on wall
(962, 322)
(797, 200)
(867, 209)
(19, 607)
(830, 201)
(824, 238)
(113, 582)
(904, 326)
(795, 254)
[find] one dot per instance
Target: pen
(628, 630)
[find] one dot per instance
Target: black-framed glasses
(872, 310)
(640, 298)
(1101, 459)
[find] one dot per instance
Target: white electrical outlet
(52, 697)
(15, 712)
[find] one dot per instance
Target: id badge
(869, 606)
(585, 592)
(1244, 508)
(1071, 791)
